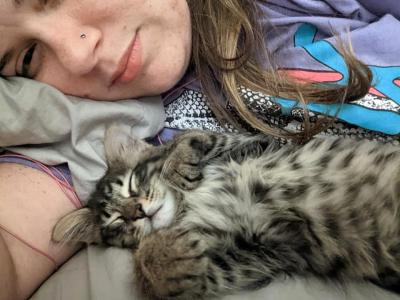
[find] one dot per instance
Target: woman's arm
(8, 275)
(30, 204)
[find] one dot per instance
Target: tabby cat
(212, 214)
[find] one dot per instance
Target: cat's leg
(171, 264)
(388, 277)
(187, 154)
(191, 151)
(389, 280)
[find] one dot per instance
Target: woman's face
(99, 49)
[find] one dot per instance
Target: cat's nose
(133, 211)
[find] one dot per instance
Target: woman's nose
(74, 46)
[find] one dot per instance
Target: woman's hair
(229, 51)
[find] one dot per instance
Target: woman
(39, 41)
(112, 50)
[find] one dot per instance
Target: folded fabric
(98, 273)
(39, 121)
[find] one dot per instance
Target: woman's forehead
(10, 31)
(12, 13)
(9, 5)
(8, 38)
(9, 9)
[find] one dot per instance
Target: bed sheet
(97, 273)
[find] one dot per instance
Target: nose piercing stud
(83, 36)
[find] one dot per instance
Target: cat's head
(129, 202)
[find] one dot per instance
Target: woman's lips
(130, 63)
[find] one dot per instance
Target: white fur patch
(166, 213)
(128, 185)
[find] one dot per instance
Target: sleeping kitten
(212, 214)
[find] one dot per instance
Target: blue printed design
(386, 121)
(384, 78)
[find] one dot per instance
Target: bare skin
(48, 47)
(103, 50)
(22, 268)
(8, 284)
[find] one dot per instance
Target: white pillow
(39, 121)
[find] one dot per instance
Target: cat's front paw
(171, 265)
(183, 166)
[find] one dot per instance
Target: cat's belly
(220, 203)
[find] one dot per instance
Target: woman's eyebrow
(42, 3)
(18, 3)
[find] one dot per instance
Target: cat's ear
(122, 148)
(77, 226)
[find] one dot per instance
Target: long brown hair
(229, 51)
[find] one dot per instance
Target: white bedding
(106, 274)
(67, 129)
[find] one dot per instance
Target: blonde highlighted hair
(229, 51)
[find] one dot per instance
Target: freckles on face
(165, 48)
(85, 67)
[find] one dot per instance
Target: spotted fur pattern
(212, 214)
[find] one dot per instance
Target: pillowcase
(39, 121)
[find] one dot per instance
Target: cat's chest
(240, 195)
(220, 202)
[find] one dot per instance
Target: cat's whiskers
(151, 194)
